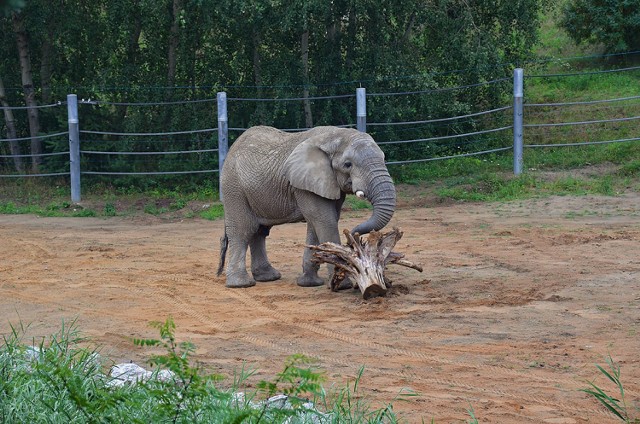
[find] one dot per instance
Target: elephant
(271, 177)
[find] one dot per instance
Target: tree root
(363, 260)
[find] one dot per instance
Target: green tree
(615, 24)
(123, 51)
(8, 6)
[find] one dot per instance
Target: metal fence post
(361, 109)
(74, 146)
(518, 110)
(223, 136)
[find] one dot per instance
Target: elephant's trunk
(382, 194)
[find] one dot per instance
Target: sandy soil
(516, 304)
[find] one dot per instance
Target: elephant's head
(331, 161)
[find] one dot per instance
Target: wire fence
(601, 121)
(438, 128)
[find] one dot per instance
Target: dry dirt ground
(517, 303)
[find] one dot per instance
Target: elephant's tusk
(360, 194)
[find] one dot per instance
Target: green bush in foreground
(61, 381)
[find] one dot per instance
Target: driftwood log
(363, 260)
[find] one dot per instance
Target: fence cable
(439, 90)
(575, 74)
(173, 152)
(375, 124)
(591, 102)
(178, 102)
(150, 173)
(564, 124)
(293, 129)
(56, 174)
(447, 136)
(290, 99)
(584, 143)
(38, 136)
(312, 98)
(148, 134)
(32, 107)
(401, 162)
(39, 155)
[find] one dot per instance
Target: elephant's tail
(224, 242)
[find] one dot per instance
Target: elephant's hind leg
(261, 268)
(237, 276)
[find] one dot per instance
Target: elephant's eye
(347, 165)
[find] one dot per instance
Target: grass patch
(213, 212)
(154, 209)
(554, 41)
(505, 187)
(50, 198)
(631, 169)
(464, 166)
(490, 187)
(586, 87)
(179, 195)
(52, 209)
(12, 208)
(356, 204)
(84, 213)
(562, 158)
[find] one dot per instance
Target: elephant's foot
(266, 273)
(240, 282)
(306, 280)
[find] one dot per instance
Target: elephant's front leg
(261, 268)
(309, 277)
(322, 226)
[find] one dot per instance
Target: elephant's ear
(309, 168)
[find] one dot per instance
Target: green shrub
(612, 23)
(109, 209)
(8, 208)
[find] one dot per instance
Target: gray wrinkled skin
(271, 177)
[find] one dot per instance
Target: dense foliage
(123, 51)
(120, 44)
(614, 24)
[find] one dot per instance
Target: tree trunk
(45, 67)
(304, 47)
(22, 40)
(172, 57)
(257, 75)
(133, 53)
(174, 38)
(363, 261)
(51, 20)
(351, 41)
(403, 41)
(14, 146)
